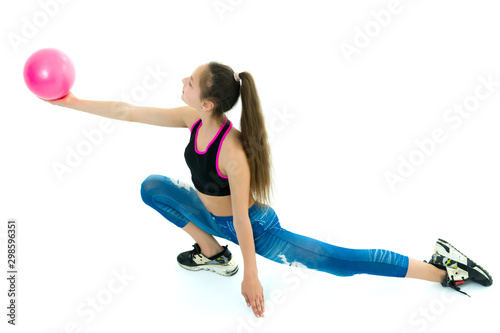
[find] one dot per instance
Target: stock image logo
(453, 119)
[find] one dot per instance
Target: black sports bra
(204, 165)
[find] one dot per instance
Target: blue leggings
(179, 203)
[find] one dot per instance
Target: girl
(231, 173)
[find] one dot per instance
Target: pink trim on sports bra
(215, 137)
(218, 152)
(196, 122)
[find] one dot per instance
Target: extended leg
(296, 250)
(288, 248)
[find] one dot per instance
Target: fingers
(258, 306)
(254, 296)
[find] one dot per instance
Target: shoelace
(453, 284)
(194, 253)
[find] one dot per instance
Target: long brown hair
(218, 85)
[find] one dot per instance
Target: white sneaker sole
(228, 269)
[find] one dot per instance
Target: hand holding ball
(49, 74)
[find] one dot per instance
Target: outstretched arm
(183, 116)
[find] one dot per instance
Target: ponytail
(254, 140)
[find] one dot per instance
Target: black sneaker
(458, 266)
(221, 263)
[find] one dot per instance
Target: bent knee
(158, 184)
(150, 186)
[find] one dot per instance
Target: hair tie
(236, 76)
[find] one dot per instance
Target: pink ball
(49, 74)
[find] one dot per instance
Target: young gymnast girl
(231, 173)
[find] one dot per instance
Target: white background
(337, 123)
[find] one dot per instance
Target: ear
(207, 105)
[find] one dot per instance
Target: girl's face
(191, 88)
